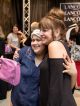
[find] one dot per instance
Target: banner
(72, 12)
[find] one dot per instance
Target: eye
(38, 40)
(32, 40)
(44, 30)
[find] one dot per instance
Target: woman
(13, 39)
(55, 87)
(2, 42)
(3, 84)
(27, 92)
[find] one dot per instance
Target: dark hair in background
(28, 41)
(73, 34)
(2, 46)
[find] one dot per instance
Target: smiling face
(15, 29)
(52, 29)
(37, 45)
(46, 36)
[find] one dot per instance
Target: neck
(38, 59)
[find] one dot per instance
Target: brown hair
(56, 13)
(48, 22)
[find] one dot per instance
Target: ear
(57, 33)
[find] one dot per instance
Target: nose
(42, 33)
(35, 42)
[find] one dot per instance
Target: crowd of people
(47, 72)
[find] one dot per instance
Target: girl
(55, 87)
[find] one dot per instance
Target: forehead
(35, 37)
(46, 24)
(15, 27)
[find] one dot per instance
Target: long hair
(1, 33)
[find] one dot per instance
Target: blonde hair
(48, 22)
(34, 25)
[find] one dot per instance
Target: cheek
(32, 45)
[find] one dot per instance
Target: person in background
(55, 84)
(34, 25)
(16, 39)
(13, 39)
(2, 42)
(3, 85)
(77, 30)
(1, 33)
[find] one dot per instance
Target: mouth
(36, 46)
(43, 39)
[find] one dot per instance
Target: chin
(36, 52)
(45, 43)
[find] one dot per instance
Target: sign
(72, 12)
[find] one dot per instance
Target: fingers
(72, 61)
(66, 66)
(65, 71)
(16, 55)
(68, 58)
(66, 62)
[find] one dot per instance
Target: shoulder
(9, 35)
(55, 43)
(26, 50)
(56, 49)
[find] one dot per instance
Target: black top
(44, 82)
(55, 87)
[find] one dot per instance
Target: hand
(16, 55)
(19, 32)
(17, 49)
(70, 66)
(2, 56)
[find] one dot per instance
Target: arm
(22, 37)
(16, 55)
(11, 45)
(56, 50)
(59, 83)
(69, 65)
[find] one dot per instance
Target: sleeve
(22, 53)
(60, 93)
(9, 36)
